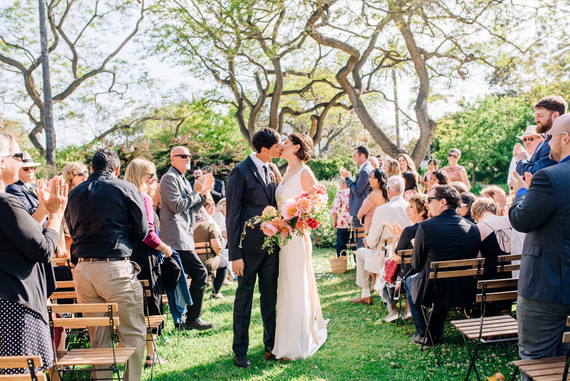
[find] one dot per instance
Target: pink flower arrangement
(298, 215)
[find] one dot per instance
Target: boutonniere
(273, 178)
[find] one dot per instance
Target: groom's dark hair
(264, 137)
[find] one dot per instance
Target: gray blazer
(359, 189)
(544, 213)
(178, 203)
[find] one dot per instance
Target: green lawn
(360, 345)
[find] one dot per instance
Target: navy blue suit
(540, 159)
(359, 189)
(20, 190)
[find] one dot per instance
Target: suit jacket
(441, 238)
(20, 190)
(544, 214)
(178, 203)
(247, 196)
(539, 159)
(219, 190)
(359, 189)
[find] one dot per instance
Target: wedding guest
(407, 164)
(459, 186)
(25, 268)
(207, 231)
(485, 212)
(531, 140)
(196, 174)
(411, 185)
(377, 197)
(464, 210)
(341, 217)
(438, 177)
(219, 190)
(433, 165)
(142, 173)
(24, 188)
(391, 167)
(380, 159)
(373, 162)
(454, 171)
(369, 260)
(74, 173)
(498, 195)
(359, 188)
(220, 218)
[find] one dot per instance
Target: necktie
(32, 190)
(267, 178)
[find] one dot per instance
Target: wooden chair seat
(154, 321)
(547, 369)
(493, 327)
(27, 362)
(23, 377)
(95, 356)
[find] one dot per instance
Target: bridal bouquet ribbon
(298, 215)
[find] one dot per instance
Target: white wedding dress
(300, 329)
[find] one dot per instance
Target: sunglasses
(18, 156)
(183, 156)
(430, 199)
(81, 174)
(452, 155)
(551, 134)
(528, 139)
(28, 169)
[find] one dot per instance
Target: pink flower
(320, 189)
(313, 224)
(285, 231)
(304, 205)
(301, 224)
(269, 229)
(269, 212)
(290, 209)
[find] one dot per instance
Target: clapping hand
(344, 173)
(204, 184)
(520, 153)
(52, 194)
(518, 182)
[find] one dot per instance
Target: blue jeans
(356, 224)
(417, 316)
(541, 326)
(342, 237)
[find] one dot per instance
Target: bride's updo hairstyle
(306, 146)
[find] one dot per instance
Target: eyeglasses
(28, 169)
(551, 134)
(183, 156)
(18, 156)
(452, 155)
(430, 199)
(528, 139)
(151, 175)
(81, 174)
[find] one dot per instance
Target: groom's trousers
(266, 267)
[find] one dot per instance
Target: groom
(250, 189)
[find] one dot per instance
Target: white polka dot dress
(23, 332)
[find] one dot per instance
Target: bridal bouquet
(298, 215)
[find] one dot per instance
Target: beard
(544, 128)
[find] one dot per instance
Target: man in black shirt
(104, 215)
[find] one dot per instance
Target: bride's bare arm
(277, 173)
(308, 179)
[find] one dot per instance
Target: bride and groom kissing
(298, 329)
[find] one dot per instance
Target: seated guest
(454, 171)
(142, 173)
(391, 167)
(445, 236)
(438, 177)
(341, 217)
(403, 238)
(375, 198)
(24, 188)
(207, 231)
(498, 195)
(25, 269)
(467, 200)
(219, 190)
(411, 185)
(370, 260)
(459, 186)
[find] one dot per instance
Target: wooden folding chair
(505, 265)
(153, 322)
(22, 362)
(356, 234)
(546, 369)
(111, 357)
(65, 290)
(489, 329)
(405, 259)
(460, 268)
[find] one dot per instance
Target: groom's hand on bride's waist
(237, 267)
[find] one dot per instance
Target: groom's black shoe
(268, 354)
(198, 324)
(242, 361)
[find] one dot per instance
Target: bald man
(178, 203)
(543, 212)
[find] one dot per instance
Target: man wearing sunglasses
(542, 212)
(546, 111)
(531, 139)
(24, 188)
(178, 204)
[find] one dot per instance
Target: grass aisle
(360, 345)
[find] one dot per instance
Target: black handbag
(170, 273)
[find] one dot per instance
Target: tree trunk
(47, 114)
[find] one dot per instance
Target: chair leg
(428, 333)
(515, 374)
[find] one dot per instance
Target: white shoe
(216, 296)
(393, 316)
(407, 315)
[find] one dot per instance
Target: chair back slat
(9, 362)
(458, 263)
(509, 258)
(203, 248)
(81, 308)
(498, 296)
(84, 322)
(455, 273)
(508, 268)
(498, 283)
(65, 284)
(63, 295)
(406, 256)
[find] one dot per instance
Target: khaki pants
(115, 282)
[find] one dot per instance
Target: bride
(300, 329)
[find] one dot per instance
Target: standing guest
(25, 268)
(24, 188)
(196, 174)
(207, 231)
(142, 173)
(219, 190)
(178, 204)
(373, 162)
(546, 111)
(454, 171)
(341, 217)
(531, 140)
(464, 210)
(411, 187)
(369, 261)
(105, 216)
(391, 167)
(407, 164)
(377, 197)
(359, 188)
(220, 219)
(445, 236)
(73, 173)
(542, 211)
(433, 165)
(380, 159)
